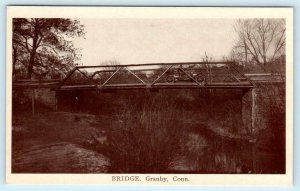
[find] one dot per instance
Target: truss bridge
(210, 75)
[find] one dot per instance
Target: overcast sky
(134, 41)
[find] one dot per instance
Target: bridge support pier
(253, 106)
(253, 103)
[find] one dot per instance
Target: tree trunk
(32, 54)
(30, 65)
(265, 65)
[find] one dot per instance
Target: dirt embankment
(50, 142)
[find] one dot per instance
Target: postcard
(149, 95)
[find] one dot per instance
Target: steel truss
(156, 75)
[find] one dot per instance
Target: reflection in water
(212, 153)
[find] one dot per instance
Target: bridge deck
(158, 86)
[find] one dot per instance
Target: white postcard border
(154, 12)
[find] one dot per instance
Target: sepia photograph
(153, 96)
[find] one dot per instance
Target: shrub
(146, 140)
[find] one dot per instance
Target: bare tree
(259, 41)
(115, 64)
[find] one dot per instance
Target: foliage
(42, 47)
(272, 100)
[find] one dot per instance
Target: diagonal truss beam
(232, 75)
(87, 77)
(135, 75)
(190, 77)
(161, 75)
(119, 69)
(112, 76)
(68, 76)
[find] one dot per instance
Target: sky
(137, 41)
